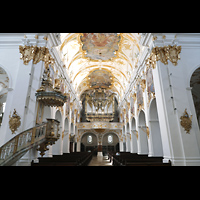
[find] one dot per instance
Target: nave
(64, 94)
(100, 161)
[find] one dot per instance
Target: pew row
(134, 159)
(67, 159)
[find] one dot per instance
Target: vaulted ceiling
(95, 60)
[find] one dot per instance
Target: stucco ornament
(186, 121)
(14, 121)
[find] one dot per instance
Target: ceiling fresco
(95, 60)
(100, 46)
(100, 79)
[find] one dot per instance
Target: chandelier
(48, 95)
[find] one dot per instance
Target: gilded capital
(143, 84)
(171, 53)
(36, 54)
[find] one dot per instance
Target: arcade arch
(57, 147)
(142, 135)
(155, 135)
(4, 84)
(87, 145)
(195, 84)
(134, 137)
(110, 142)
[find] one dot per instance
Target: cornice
(185, 40)
(13, 40)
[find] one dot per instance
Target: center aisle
(100, 161)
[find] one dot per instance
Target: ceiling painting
(100, 46)
(100, 78)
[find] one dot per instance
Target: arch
(128, 142)
(133, 126)
(8, 74)
(134, 148)
(128, 127)
(85, 146)
(66, 125)
(195, 92)
(189, 75)
(58, 116)
(123, 130)
(96, 66)
(66, 136)
(72, 128)
(142, 136)
(106, 146)
(4, 85)
(123, 134)
(57, 147)
(154, 126)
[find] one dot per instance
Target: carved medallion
(186, 121)
(14, 121)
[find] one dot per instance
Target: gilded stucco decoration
(132, 102)
(143, 84)
(14, 121)
(140, 100)
(36, 54)
(150, 85)
(171, 53)
(146, 130)
(186, 121)
(135, 132)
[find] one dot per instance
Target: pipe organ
(100, 105)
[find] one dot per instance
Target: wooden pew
(67, 159)
(133, 159)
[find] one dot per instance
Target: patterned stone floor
(100, 161)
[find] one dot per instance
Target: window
(110, 139)
(89, 139)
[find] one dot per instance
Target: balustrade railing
(16, 147)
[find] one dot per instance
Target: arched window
(89, 139)
(110, 139)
